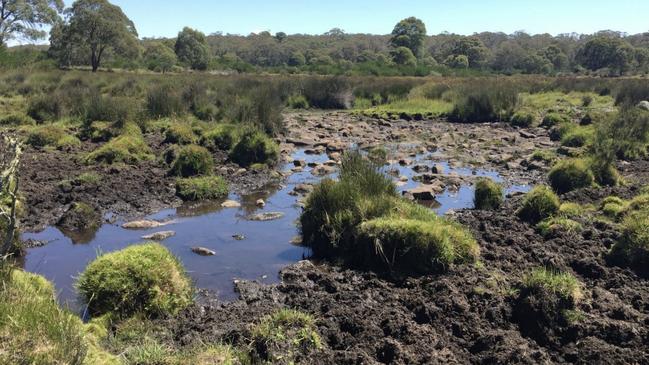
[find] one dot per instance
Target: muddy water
(264, 249)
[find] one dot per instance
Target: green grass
(180, 132)
(255, 147)
(284, 334)
(33, 329)
(564, 285)
(539, 204)
(222, 137)
(51, 135)
(192, 160)
(143, 278)
(129, 147)
(569, 175)
(632, 248)
(410, 107)
(556, 101)
(201, 188)
(578, 136)
(488, 194)
(554, 225)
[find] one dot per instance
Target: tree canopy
(24, 18)
(409, 33)
(93, 28)
(192, 49)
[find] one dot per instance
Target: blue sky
(167, 17)
(164, 18)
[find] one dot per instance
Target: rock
(267, 216)
(421, 168)
(303, 188)
(437, 169)
(203, 251)
(296, 241)
(331, 163)
(230, 204)
(403, 178)
(336, 156)
(260, 203)
(143, 224)
(644, 105)
(336, 146)
(423, 192)
(299, 163)
(322, 170)
(239, 237)
(159, 236)
(299, 141)
(405, 162)
(526, 134)
(297, 169)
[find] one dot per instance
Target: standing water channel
(245, 249)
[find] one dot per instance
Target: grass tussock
(255, 147)
(569, 175)
(539, 204)
(192, 160)
(129, 147)
(488, 195)
(144, 278)
(201, 188)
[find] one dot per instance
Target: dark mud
(49, 186)
(471, 314)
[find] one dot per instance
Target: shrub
(569, 175)
(632, 248)
(223, 137)
(485, 102)
(192, 160)
(129, 148)
(543, 155)
(488, 195)
(44, 108)
(613, 207)
(108, 109)
(201, 188)
(298, 102)
(554, 119)
(144, 278)
(163, 101)
(16, 120)
(181, 133)
(50, 135)
(539, 204)
(255, 147)
(521, 119)
(284, 335)
(33, 329)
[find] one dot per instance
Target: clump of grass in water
(488, 194)
(201, 188)
(361, 220)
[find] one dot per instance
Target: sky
(164, 18)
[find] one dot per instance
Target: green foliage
(144, 278)
(577, 137)
(130, 148)
(297, 102)
(488, 195)
(539, 204)
(284, 335)
(521, 119)
(554, 225)
(44, 108)
(201, 188)
(255, 147)
(613, 207)
(164, 101)
(180, 132)
(360, 219)
(16, 120)
(563, 285)
(403, 56)
(51, 135)
(632, 248)
(409, 33)
(191, 49)
(222, 137)
(606, 52)
(569, 175)
(158, 57)
(192, 160)
(94, 27)
(553, 119)
(486, 101)
(33, 329)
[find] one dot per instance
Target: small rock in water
(267, 216)
(143, 224)
(299, 163)
(159, 236)
(203, 251)
(260, 203)
(230, 204)
(405, 162)
(303, 188)
(239, 237)
(297, 241)
(644, 105)
(437, 169)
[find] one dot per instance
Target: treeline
(96, 32)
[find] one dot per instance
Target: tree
(457, 61)
(403, 56)
(94, 27)
(556, 56)
(191, 49)
(606, 52)
(409, 33)
(159, 57)
(24, 18)
(280, 36)
(472, 48)
(296, 59)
